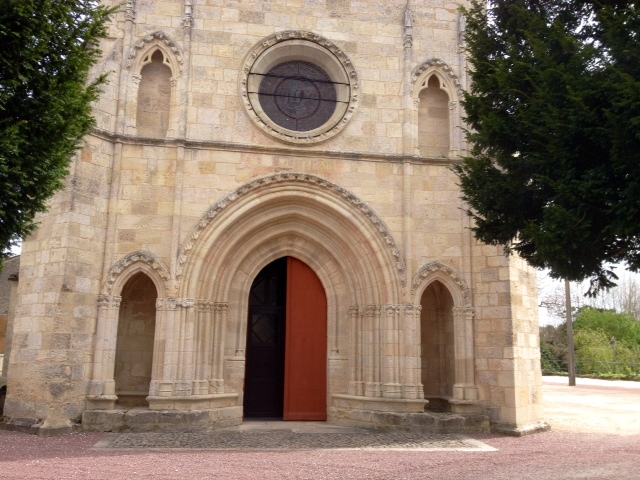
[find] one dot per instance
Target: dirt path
(592, 406)
(595, 436)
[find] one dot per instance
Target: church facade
(265, 224)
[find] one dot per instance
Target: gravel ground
(597, 448)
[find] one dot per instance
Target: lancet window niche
(135, 340)
(154, 96)
(438, 115)
(152, 105)
(446, 338)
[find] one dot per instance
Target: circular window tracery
(299, 87)
(298, 96)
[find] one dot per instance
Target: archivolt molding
(161, 38)
(145, 258)
(439, 65)
(221, 205)
(435, 268)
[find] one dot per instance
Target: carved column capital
(168, 303)
(221, 307)
(372, 310)
(103, 302)
(115, 302)
(205, 305)
(463, 313)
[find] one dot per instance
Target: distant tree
(47, 48)
(553, 111)
(617, 327)
(624, 298)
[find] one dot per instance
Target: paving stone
(232, 439)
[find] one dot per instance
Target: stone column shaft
(356, 385)
(216, 383)
(391, 387)
(412, 374)
(464, 388)
(372, 365)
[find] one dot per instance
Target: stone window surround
(299, 46)
(139, 56)
(449, 83)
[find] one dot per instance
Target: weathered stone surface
(135, 288)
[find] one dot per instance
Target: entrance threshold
(295, 426)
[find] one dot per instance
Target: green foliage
(607, 345)
(549, 361)
(554, 114)
(597, 355)
(47, 48)
(619, 326)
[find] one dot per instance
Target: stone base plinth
(193, 402)
(377, 404)
(465, 407)
(401, 415)
(44, 429)
(145, 420)
(425, 422)
(101, 402)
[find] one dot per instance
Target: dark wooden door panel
(264, 376)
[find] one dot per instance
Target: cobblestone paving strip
(287, 440)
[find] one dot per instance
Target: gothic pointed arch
(152, 41)
(438, 67)
(135, 262)
(374, 223)
(447, 276)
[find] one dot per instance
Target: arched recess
(135, 340)
(347, 246)
(152, 107)
(134, 266)
(447, 335)
(436, 94)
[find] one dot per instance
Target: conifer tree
(47, 48)
(553, 111)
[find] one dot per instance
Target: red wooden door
(305, 392)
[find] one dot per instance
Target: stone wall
(187, 181)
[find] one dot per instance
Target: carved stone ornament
(159, 37)
(441, 66)
(434, 267)
(140, 256)
(130, 10)
(408, 27)
(303, 178)
(187, 18)
(205, 305)
(103, 301)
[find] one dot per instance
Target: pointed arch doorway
(286, 354)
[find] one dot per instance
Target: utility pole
(570, 349)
